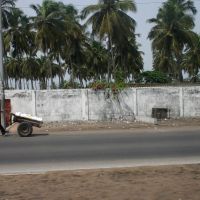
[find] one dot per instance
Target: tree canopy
(171, 33)
(54, 49)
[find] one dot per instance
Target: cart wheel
(25, 129)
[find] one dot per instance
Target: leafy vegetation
(171, 34)
(155, 77)
(53, 45)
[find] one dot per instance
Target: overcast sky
(146, 9)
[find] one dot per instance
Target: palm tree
(129, 58)
(191, 60)
(49, 26)
(74, 54)
(97, 60)
(172, 31)
(14, 71)
(30, 70)
(110, 22)
(164, 62)
(17, 36)
(7, 8)
(71, 45)
(18, 40)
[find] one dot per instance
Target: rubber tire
(24, 129)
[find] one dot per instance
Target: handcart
(25, 123)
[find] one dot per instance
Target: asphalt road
(98, 150)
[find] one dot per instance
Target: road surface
(43, 153)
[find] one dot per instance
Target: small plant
(99, 85)
(119, 76)
(117, 87)
(111, 88)
(71, 85)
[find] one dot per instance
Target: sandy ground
(144, 183)
(117, 125)
(64, 127)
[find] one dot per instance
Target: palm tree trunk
(24, 83)
(6, 78)
(46, 83)
(10, 83)
(51, 71)
(51, 78)
(27, 84)
(36, 84)
(61, 79)
(72, 72)
(81, 83)
(109, 61)
(32, 87)
(180, 73)
(20, 83)
(110, 49)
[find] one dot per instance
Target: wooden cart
(25, 127)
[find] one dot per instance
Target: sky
(146, 9)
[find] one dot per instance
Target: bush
(103, 85)
(99, 85)
(71, 85)
(155, 77)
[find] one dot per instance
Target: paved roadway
(98, 150)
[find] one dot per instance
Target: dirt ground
(141, 183)
(64, 127)
(116, 125)
(144, 183)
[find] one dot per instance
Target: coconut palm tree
(129, 58)
(164, 62)
(49, 26)
(70, 47)
(14, 71)
(7, 8)
(75, 55)
(18, 39)
(110, 21)
(17, 36)
(73, 49)
(30, 70)
(171, 32)
(97, 60)
(191, 60)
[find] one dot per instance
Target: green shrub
(99, 85)
(155, 77)
(103, 85)
(71, 85)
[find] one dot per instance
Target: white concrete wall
(21, 101)
(191, 102)
(70, 105)
(58, 105)
(103, 105)
(165, 97)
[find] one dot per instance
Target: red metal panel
(7, 111)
